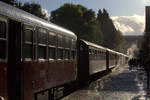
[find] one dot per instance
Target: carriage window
(42, 52)
(28, 44)
(67, 54)
(28, 51)
(42, 36)
(67, 43)
(99, 52)
(3, 40)
(35, 37)
(59, 53)
(52, 53)
(52, 39)
(73, 54)
(73, 44)
(28, 35)
(2, 29)
(90, 52)
(60, 41)
(95, 52)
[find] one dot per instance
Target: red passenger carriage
(37, 58)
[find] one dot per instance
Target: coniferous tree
(112, 38)
(108, 30)
(99, 14)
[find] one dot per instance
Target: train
(95, 60)
(43, 61)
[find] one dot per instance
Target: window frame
(52, 46)
(67, 48)
(73, 56)
(60, 41)
(50, 34)
(39, 42)
(42, 44)
(60, 48)
(67, 54)
(44, 58)
(2, 19)
(31, 28)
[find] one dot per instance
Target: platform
(121, 84)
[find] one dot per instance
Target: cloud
(144, 1)
(130, 25)
(44, 11)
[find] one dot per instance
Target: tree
(99, 14)
(121, 45)
(112, 38)
(80, 20)
(34, 9)
(68, 16)
(11, 2)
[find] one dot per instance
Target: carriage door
(83, 63)
(3, 58)
(14, 60)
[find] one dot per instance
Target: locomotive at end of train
(42, 61)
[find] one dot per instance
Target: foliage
(112, 38)
(80, 20)
(34, 9)
(11, 2)
(120, 41)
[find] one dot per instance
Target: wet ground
(121, 84)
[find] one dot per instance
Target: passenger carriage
(37, 58)
(94, 61)
(91, 60)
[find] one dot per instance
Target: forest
(85, 23)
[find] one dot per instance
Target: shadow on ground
(123, 82)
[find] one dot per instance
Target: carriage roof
(115, 52)
(101, 47)
(93, 45)
(22, 16)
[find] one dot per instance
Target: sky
(127, 15)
